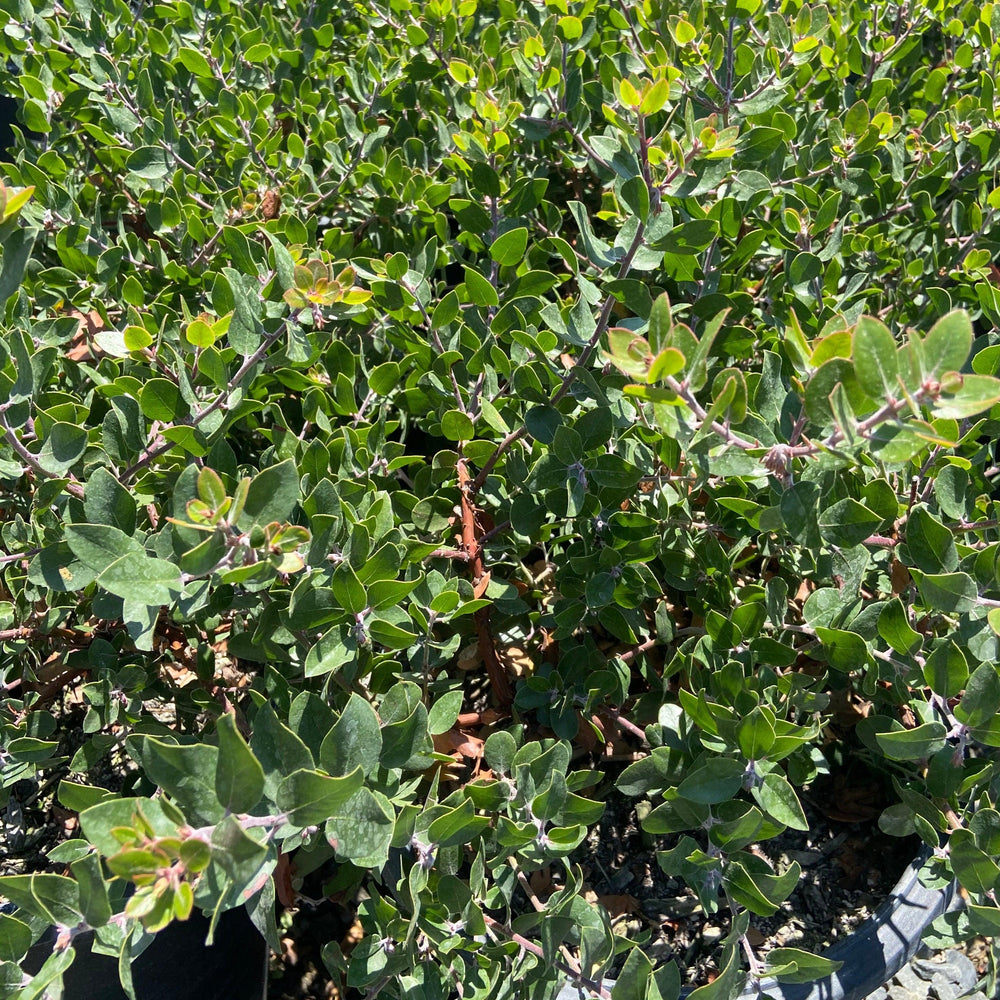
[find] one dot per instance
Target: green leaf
(151, 163)
(660, 323)
(310, 798)
(569, 27)
(804, 269)
(446, 311)
(278, 749)
(77, 797)
(310, 718)
(792, 965)
(727, 984)
(629, 352)
(967, 395)
(975, 869)
(135, 295)
(930, 544)
(897, 820)
(238, 247)
(479, 289)
(984, 920)
(857, 118)
(985, 824)
(390, 635)
(406, 742)
(460, 825)
(688, 238)
(737, 825)
(799, 507)
(354, 741)
(284, 263)
(136, 338)
(847, 523)
(875, 365)
(457, 426)
(361, 830)
(62, 448)
(211, 489)
(273, 495)
(898, 444)
(655, 98)
(949, 592)
(240, 855)
(141, 578)
(508, 249)
(193, 60)
(912, 744)
(161, 400)
(946, 347)
(100, 822)
(894, 627)
(185, 773)
(668, 362)
(498, 751)
(347, 589)
(634, 977)
(755, 735)
(845, 651)
(597, 250)
(94, 901)
(384, 378)
(106, 501)
(950, 487)
(981, 700)
(17, 247)
(442, 714)
(239, 776)
(946, 670)
(778, 799)
(15, 940)
(53, 898)
(751, 882)
(716, 779)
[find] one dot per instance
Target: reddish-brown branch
(54, 687)
(480, 578)
(626, 724)
(643, 647)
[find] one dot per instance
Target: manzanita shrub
(352, 352)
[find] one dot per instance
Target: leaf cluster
(400, 402)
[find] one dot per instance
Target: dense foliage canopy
(352, 354)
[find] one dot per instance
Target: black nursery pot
(177, 965)
(872, 955)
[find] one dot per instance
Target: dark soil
(847, 870)
(848, 867)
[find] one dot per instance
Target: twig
(626, 724)
(536, 903)
(73, 486)
(16, 556)
(569, 970)
(643, 647)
